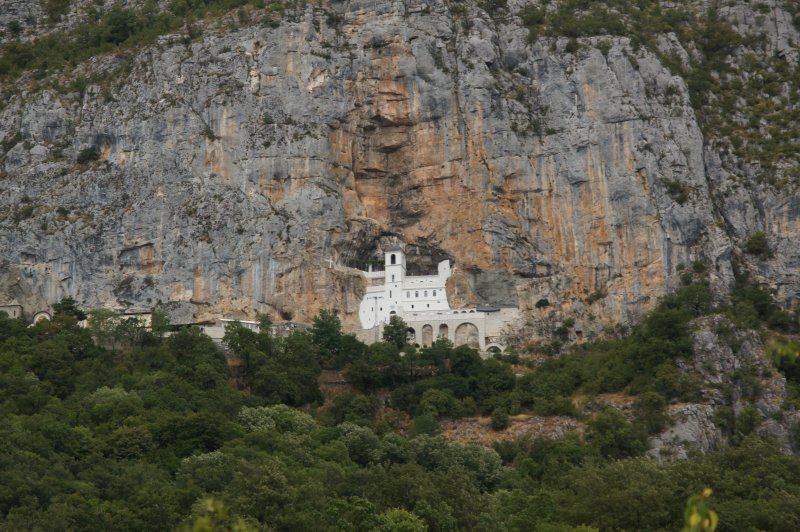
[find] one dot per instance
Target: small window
(434, 293)
(390, 294)
(393, 259)
(429, 305)
(426, 293)
(416, 294)
(392, 278)
(408, 295)
(412, 306)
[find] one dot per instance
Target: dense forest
(118, 427)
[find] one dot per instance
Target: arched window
(408, 295)
(416, 294)
(393, 259)
(426, 293)
(434, 293)
(390, 293)
(392, 278)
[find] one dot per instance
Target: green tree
(159, 322)
(214, 516)
(326, 334)
(396, 332)
(399, 520)
(352, 513)
(649, 410)
(500, 419)
(69, 307)
(103, 323)
(614, 436)
(758, 244)
(424, 424)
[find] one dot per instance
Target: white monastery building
(422, 303)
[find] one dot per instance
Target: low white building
(422, 303)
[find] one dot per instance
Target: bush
(88, 155)
(23, 213)
(437, 402)
(794, 436)
(597, 295)
(11, 140)
(557, 406)
(14, 27)
(746, 422)
(649, 411)
(676, 190)
(757, 244)
(500, 419)
(532, 18)
(55, 9)
(615, 437)
(493, 7)
(424, 424)
(354, 407)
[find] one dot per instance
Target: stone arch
(427, 335)
(494, 349)
(467, 333)
(41, 315)
(411, 335)
(444, 331)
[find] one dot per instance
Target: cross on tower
(330, 263)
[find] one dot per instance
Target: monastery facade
(422, 303)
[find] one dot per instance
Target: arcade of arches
(465, 334)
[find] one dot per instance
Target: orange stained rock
(148, 263)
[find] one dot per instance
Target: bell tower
(395, 265)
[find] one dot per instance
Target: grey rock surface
(232, 167)
(731, 365)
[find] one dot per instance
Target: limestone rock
(233, 167)
(731, 365)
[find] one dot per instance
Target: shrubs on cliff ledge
(88, 155)
(757, 244)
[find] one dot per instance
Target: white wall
(404, 294)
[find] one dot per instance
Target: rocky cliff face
(233, 166)
(741, 392)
